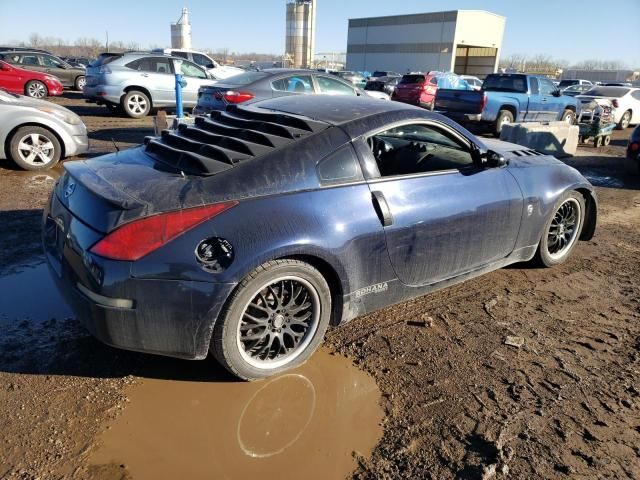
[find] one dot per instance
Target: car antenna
(115, 145)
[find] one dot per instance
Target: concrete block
(553, 138)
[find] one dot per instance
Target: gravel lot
(458, 402)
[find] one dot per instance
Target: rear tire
(136, 104)
(34, 148)
(275, 319)
(36, 89)
(80, 82)
(631, 166)
(504, 118)
(624, 121)
(562, 230)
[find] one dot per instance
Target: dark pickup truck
(506, 98)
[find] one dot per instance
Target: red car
(417, 89)
(27, 82)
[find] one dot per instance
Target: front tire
(624, 121)
(505, 117)
(34, 148)
(136, 104)
(275, 319)
(569, 116)
(36, 89)
(562, 230)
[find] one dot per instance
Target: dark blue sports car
(250, 232)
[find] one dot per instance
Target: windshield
(244, 78)
(412, 79)
(615, 92)
(505, 83)
(379, 74)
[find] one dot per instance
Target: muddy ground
(457, 401)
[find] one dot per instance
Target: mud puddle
(27, 293)
(308, 423)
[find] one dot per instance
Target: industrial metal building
(461, 41)
(301, 33)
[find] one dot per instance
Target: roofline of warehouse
(422, 13)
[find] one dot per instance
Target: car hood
(24, 101)
(518, 155)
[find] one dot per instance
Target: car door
(157, 76)
(442, 215)
(11, 79)
(552, 106)
(54, 66)
(635, 107)
(535, 111)
(195, 77)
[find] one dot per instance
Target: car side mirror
(210, 65)
(557, 93)
(494, 159)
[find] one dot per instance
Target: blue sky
(570, 29)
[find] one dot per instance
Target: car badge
(71, 187)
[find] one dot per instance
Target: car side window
(49, 61)
(546, 87)
(28, 60)
(333, 87)
(293, 84)
(418, 148)
(636, 94)
(189, 69)
(533, 81)
(340, 166)
(180, 54)
(201, 60)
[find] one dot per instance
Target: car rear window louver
(219, 141)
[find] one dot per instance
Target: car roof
(331, 109)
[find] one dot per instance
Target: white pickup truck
(202, 59)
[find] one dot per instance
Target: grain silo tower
(301, 32)
(181, 31)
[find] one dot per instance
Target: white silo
(181, 31)
(301, 32)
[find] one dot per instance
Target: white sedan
(625, 100)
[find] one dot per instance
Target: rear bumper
(103, 93)
(166, 317)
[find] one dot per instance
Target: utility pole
(107, 44)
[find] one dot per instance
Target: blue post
(179, 85)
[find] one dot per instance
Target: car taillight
(483, 102)
(429, 89)
(232, 96)
(136, 239)
(615, 103)
(634, 147)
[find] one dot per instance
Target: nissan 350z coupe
(249, 233)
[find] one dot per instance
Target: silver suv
(137, 82)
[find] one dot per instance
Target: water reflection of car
(625, 100)
(253, 86)
(36, 134)
(27, 82)
(574, 90)
(632, 162)
(138, 82)
(249, 232)
(39, 61)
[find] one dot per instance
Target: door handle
(382, 208)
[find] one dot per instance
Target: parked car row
(39, 61)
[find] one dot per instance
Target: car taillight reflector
(232, 96)
(483, 102)
(136, 239)
(634, 147)
(615, 103)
